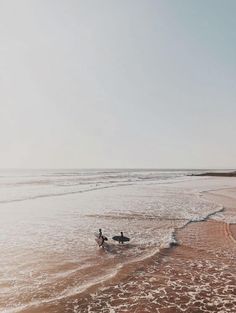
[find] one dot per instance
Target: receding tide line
(74, 291)
(71, 292)
(202, 219)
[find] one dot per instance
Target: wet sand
(198, 275)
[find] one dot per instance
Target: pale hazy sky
(117, 83)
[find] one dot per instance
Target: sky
(117, 84)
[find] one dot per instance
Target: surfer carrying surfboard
(121, 238)
(100, 238)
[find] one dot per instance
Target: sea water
(48, 219)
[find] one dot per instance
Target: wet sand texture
(196, 276)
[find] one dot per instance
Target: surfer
(100, 233)
(101, 238)
(121, 239)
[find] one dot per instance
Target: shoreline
(189, 276)
(194, 254)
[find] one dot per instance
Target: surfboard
(119, 238)
(99, 239)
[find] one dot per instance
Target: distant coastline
(217, 174)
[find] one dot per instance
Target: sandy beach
(196, 275)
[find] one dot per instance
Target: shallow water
(48, 220)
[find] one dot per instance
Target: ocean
(49, 218)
